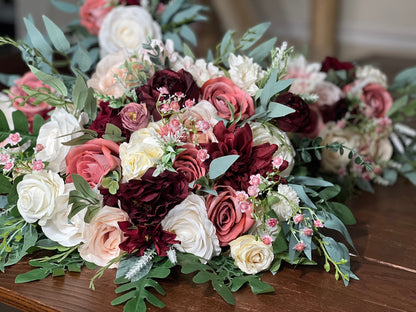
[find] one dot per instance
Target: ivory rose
(244, 73)
(29, 79)
(219, 91)
(37, 194)
(251, 255)
(60, 128)
(92, 14)
(224, 212)
(196, 233)
(141, 153)
(333, 161)
(328, 93)
(263, 133)
(127, 27)
(92, 160)
(103, 236)
(57, 227)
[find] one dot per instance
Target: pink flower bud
(163, 91)
(4, 158)
(298, 218)
(245, 206)
(175, 106)
(255, 180)
(253, 190)
(202, 154)
(14, 138)
(189, 103)
(277, 161)
(267, 240)
(272, 222)
(241, 196)
(203, 125)
(38, 165)
(307, 231)
(318, 223)
(8, 166)
(299, 246)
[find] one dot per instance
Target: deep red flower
(105, 116)
(300, 121)
(143, 237)
(149, 199)
(334, 112)
(174, 82)
(252, 160)
(335, 64)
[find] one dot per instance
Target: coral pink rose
(29, 79)
(221, 90)
(228, 219)
(377, 99)
(103, 236)
(92, 160)
(92, 14)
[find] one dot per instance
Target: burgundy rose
(180, 82)
(224, 212)
(105, 116)
(149, 199)
(143, 237)
(335, 64)
(334, 112)
(92, 160)
(220, 91)
(252, 160)
(300, 121)
(377, 100)
(134, 116)
(188, 163)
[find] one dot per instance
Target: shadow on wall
(6, 308)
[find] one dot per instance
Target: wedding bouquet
(161, 159)
(353, 104)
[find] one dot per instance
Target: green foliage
(220, 165)
(137, 293)
(56, 265)
(110, 181)
(83, 197)
(16, 238)
(113, 133)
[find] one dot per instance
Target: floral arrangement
(160, 159)
(353, 104)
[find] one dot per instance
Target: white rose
(371, 75)
(270, 134)
(251, 255)
(141, 153)
(333, 161)
(37, 194)
(126, 27)
(200, 70)
(52, 134)
(244, 73)
(57, 227)
(189, 221)
(103, 236)
(289, 201)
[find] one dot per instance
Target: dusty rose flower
(221, 90)
(29, 79)
(188, 163)
(298, 218)
(92, 14)
(103, 236)
(299, 246)
(223, 211)
(377, 99)
(92, 160)
(307, 231)
(134, 116)
(328, 93)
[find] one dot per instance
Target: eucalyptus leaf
(56, 35)
(220, 165)
(50, 80)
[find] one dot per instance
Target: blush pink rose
(228, 219)
(92, 160)
(102, 236)
(29, 79)
(221, 90)
(92, 14)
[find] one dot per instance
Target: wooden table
(384, 237)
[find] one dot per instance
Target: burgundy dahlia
(334, 64)
(148, 200)
(252, 160)
(143, 237)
